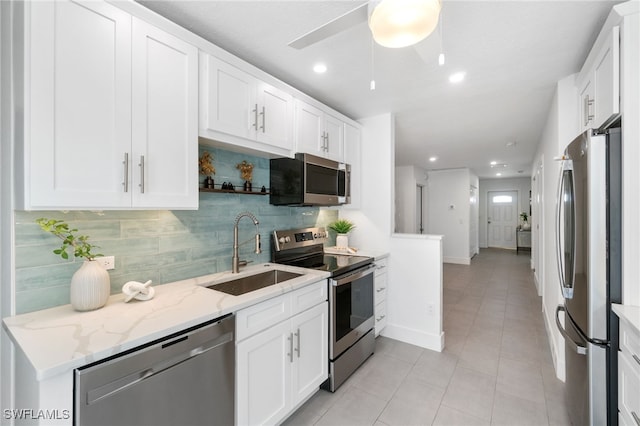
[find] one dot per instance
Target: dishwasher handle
(129, 380)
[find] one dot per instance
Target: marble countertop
(376, 255)
(628, 313)
(59, 339)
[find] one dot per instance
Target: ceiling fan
(393, 23)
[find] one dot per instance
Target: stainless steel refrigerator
(588, 249)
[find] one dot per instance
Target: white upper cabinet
(165, 120)
(237, 108)
(318, 132)
(92, 115)
(78, 109)
(599, 84)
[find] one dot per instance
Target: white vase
(342, 241)
(90, 287)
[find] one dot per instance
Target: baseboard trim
(558, 363)
(434, 342)
(457, 260)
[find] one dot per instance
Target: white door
(473, 221)
(165, 120)
(538, 226)
(420, 225)
(311, 349)
(263, 376)
(80, 105)
(502, 218)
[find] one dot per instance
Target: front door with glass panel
(502, 219)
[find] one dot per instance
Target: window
(502, 199)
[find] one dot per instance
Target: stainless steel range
(351, 320)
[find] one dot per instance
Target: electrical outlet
(107, 262)
(430, 309)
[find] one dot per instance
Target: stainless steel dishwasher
(184, 379)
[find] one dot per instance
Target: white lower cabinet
(380, 295)
(284, 362)
(629, 376)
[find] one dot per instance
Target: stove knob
(287, 239)
(283, 240)
(315, 236)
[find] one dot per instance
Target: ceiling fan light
(401, 23)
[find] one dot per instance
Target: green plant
(59, 228)
(524, 216)
(341, 226)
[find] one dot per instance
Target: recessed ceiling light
(320, 68)
(432, 159)
(493, 163)
(498, 174)
(457, 77)
(511, 144)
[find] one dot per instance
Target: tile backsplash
(162, 246)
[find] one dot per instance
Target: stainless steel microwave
(309, 180)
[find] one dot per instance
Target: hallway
(496, 368)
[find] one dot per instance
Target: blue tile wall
(163, 246)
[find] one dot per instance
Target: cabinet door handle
(141, 174)
(635, 357)
(290, 354)
(298, 339)
(263, 114)
(587, 107)
(381, 317)
(378, 290)
(636, 418)
(255, 117)
(126, 172)
(327, 139)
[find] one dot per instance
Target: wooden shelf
(230, 191)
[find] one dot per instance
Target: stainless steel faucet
(235, 267)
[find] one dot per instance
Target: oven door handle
(352, 277)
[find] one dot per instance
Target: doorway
(420, 209)
(502, 219)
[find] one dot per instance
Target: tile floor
(496, 368)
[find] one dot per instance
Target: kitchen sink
(250, 283)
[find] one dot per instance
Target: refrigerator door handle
(566, 288)
(582, 350)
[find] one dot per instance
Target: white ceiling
(513, 53)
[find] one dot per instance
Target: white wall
(414, 298)
(522, 185)
(448, 212)
(560, 128)
(407, 179)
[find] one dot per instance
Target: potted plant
(342, 227)
(90, 285)
(525, 220)
(207, 169)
